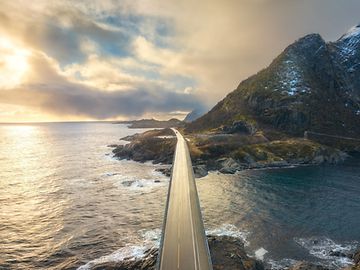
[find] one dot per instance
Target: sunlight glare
(13, 63)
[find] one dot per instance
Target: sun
(13, 63)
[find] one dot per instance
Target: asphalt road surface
(184, 245)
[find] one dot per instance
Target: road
(184, 244)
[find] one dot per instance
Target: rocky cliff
(312, 85)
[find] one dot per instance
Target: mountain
(153, 123)
(311, 86)
(194, 114)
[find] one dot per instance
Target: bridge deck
(184, 244)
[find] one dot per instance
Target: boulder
(307, 266)
(356, 257)
(165, 171)
(200, 171)
(228, 165)
(229, 253)
(240, 126)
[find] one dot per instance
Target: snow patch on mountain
(292, 79)
(354, 31)
(348, 46)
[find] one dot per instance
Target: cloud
(108, 58)
(54, 93)
(224, 42)
(60, 32)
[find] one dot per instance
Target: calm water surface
(64, 202)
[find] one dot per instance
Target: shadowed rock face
(312, 85)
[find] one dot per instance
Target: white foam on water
(138, 184)
(322, 247)
(230, 230)
(111, 158)
(260, 253)
(135, 252)
(151, 238)
(110, 174)
(159, 175)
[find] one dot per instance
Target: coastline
(228, 251)
(226, 154)
(161, 139)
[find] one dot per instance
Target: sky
(104, 60)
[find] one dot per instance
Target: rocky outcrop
(155, 145)
(226, 253)
(199, 171)
(240, 126)
(229, 165)
(229, 253)
(356, 259)
(152, 149)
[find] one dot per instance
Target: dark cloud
(64, 42)
(53, 93)
(80, 100)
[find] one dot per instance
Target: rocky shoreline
(227, 153)
(226, 253)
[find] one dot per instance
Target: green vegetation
(289, 150)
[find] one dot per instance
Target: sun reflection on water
(62, 201)
(26, 212)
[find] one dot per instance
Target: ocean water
(65, 203)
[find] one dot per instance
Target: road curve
(184, 244)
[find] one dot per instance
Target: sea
(66, 203)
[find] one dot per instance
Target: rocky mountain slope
(312, 85)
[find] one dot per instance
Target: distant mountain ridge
(194, 114)
(312, 85)
(153, 123)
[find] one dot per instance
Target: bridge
(183, 245)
